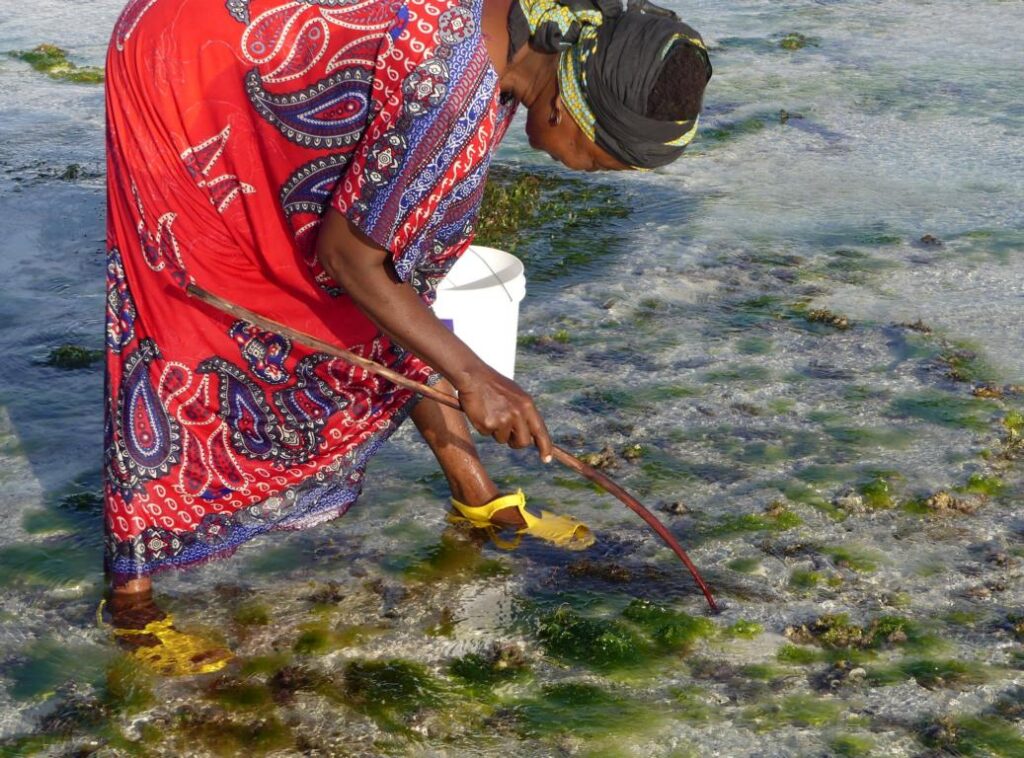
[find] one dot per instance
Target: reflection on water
(803, 345)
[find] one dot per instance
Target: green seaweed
(314, 639)
(979, 484)
(745, 629)
(852, 746)
(728, 130)
(965, 364)
(795, 41)
(52, 564)
(501, 664)
(835, 631)
(929, 673)
(127, 688)
(800, 655)
(533, 214)
(583, 710)
(48, 663)
(974, 735)
(794, 710)
(53, 61)
(389, 690)
(944, 409)
(857, 438)
(71, 357)
(223, 736)
(672, 630)
(1013, 422)
(744, 565)
(754, 345)
(803, 579)
(778, 520)
(690, 703)
(82, 502)
(455, 556)
(252, 614)
(239, 695)
(855, 558)
(603, 643)
(876, 493)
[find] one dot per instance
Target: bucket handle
(493, 273)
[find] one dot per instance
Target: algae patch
(534, 214)
(643, 632)
(71, 357)
(53, 61)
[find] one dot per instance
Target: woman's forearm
(495, 405)
(395, 307)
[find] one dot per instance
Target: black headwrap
(610, 61)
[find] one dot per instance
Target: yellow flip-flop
(177, 654)
(562, 531)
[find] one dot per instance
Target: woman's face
(550, 128)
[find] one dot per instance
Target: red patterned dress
(232, 127)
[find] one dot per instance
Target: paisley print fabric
(232, 127)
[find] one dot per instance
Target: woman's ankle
(475, 493)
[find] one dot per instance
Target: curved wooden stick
(562, 456)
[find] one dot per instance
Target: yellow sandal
(177, 654)
(561, 531)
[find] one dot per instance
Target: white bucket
(479, 301)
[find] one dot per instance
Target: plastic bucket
(479, 301)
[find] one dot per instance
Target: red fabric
(231, 128)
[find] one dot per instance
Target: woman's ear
(557, 109)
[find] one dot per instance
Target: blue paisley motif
(310, 403)
(265, 352)
(146, 443)
(331, 114)
(254, 431)
(309, 189)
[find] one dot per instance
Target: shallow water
(687, 334)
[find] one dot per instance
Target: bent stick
(562, 456)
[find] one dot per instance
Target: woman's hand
(499, 408)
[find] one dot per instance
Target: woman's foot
(147, 633)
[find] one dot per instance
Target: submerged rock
(609, 571)
(675, 508)
(828, 318)
(916, 326)
(604, 460)
(943, 503)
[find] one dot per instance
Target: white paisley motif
(287, 71)
(200, 161)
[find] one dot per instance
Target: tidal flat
(801, 346)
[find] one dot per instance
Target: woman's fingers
(499, 408)
(541, 438)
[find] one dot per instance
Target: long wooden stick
(562, 456)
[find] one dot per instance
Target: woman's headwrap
(609, 61)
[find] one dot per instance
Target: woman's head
(629, 85)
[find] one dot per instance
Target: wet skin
(494, 405)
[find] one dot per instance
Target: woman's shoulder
(448, 31)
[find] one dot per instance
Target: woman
(322, 162)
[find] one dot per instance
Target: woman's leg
(131, 603)
(446, 431)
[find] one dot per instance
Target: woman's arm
(495, 405)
